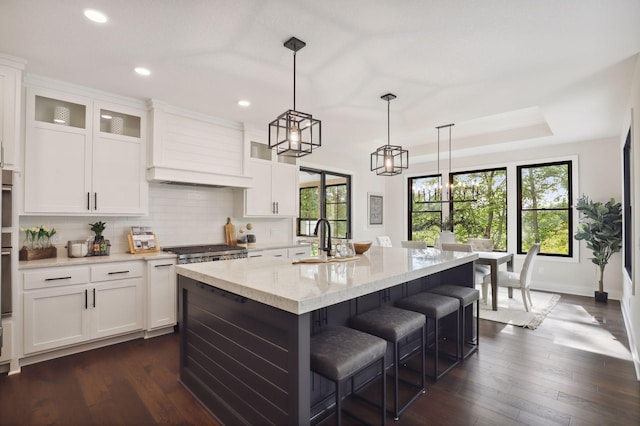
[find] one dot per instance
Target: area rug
(511, 311)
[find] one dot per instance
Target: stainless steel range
(206, 253)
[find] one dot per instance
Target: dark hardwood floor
(575, 369)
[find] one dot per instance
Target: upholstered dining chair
(384, 241)
(515, 280)
(479, 272)
(413, 244)
(481, 244)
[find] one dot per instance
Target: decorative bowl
(361, 246)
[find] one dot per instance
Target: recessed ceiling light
(95, 16)
(244, 103)
(142, 71)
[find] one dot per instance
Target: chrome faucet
(324, 247)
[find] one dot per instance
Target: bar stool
(339, 353)
(393, 325)
(435, 307)
(466, 296)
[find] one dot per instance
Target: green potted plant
(601, 227)
(99, 244)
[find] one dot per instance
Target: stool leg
(338, 404)
(435, 354)
(383, 404)
(463, 330)
(396, 360)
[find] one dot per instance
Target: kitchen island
(246, 323)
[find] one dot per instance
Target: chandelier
(389, 160)
(448, 193)
(294, 133)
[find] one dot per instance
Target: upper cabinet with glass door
(83, 156)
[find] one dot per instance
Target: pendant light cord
(388, 121)
(294, 80)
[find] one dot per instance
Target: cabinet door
(55, 317)
(285, 188)
(161, 293)
(10, 89)
(258, 200)
(117, 307)
(118, 184)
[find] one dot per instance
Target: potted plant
(99, 244)
(601, 227)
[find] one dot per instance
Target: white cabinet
(70, 305)
(274, 192)
(10, 107)
(161, 293)
(280, 252)
(297, 252)
(83, 156)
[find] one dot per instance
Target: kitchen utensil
(230, 233)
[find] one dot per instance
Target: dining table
(494, 259)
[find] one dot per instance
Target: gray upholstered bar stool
(394, 325)
(338, 353)
(435, 307)
(466, 296)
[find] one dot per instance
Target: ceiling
(509, 73)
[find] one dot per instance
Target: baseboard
(630, 335)
(159, 332)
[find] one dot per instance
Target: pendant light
(389, 160)
(294, 133)
(445, 194)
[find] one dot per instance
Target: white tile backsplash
(178, 214)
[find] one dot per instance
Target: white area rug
(511, 311)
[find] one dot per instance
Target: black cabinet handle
(94, 297)
(95, 201)
(163, 265)
(88, 201)
(119, 272)
(85, 299)
(56, 279)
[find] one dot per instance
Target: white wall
(591, 158)
(631, 289)
(177, 214)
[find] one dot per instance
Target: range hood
(195, 178)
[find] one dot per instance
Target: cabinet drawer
(116, 271)
(299, 252)
(54, 277)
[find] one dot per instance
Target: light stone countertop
(89, 260)
(302, 288)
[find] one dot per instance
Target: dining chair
(481, 244)
(414, 244)
(514, 280)
(478, 271)
(384, 241)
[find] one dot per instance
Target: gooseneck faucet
(326, 247)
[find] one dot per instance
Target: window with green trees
(424, 217)
(544, 208)
(324, 194)
(479, 206)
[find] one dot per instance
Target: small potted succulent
(99, 244)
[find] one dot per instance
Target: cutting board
(329, 260)
(230, 232)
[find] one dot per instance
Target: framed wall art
(375, 204)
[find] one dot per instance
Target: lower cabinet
(71, 305)
(162, 293)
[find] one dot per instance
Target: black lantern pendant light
(389, 160)
(294, 133)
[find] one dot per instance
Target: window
(545, 214)
(328, 195)
(479, 207)
(424, 216)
